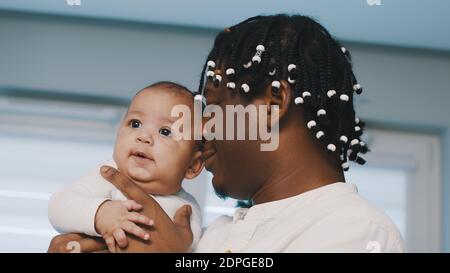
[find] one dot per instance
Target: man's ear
(281, 97)
(196, 166)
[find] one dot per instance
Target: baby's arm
(85, 207)
(73, 209)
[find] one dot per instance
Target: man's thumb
(182, 217)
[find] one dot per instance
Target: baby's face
(146, 148)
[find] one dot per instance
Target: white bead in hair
(291, 81)
(331, 147)
(260, 48)
(210, 74)
(354, 142)
(321, 112)
(256, 58)
(276, 84)
(245, 88)
(306, 94)
(273, 72)
(298, 100)
(247, 65)
(356, 87)
(343, 139)
(331, 93)
(344, 97)
(291, 67)
(231, 85)
(219, 78)
(343, 50)
(320, 134)
(311, 124)
(356, 120)
(230, 71)
(200, 97)
(357, 128)
(211, 64)
(345, 165)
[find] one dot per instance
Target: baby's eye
(165, 132)
(134, 123)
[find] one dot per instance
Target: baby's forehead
(171, 94)
(160, 100)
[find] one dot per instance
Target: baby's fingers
(131, 205)
(140, 219)
(132, 228)
(109, 240)
(120, 237)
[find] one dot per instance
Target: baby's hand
(115, 217)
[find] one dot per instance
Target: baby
(150, 153)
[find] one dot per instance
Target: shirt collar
(274, 208)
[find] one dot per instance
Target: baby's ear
(196, 166)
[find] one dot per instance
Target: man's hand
(76, 243)
(166, 235)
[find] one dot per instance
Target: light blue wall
(404, 88)
(409, 89)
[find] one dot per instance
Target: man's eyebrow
(209, 89)
(210, 94)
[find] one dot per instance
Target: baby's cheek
(116, 155)
(120, 156)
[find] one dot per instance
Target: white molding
(420, 155)
(25, 194)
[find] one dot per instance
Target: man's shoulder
(347, 219)
(355, 206)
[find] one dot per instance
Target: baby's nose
(146, 139)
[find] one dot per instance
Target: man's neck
(293, 173)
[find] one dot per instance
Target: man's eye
(212, 103)
(165, 131)
(134, 123)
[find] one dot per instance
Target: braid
(307, 85)
(202, 78)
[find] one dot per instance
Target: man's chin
(219, 188)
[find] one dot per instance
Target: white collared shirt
(332, 218)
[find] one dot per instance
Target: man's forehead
(212, 92)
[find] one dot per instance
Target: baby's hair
(170, 86)
(264, 50)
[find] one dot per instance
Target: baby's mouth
(141, 155)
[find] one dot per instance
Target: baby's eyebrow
(134, 112)
(169, 119)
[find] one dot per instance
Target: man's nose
(144, 138)
(208, 149)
